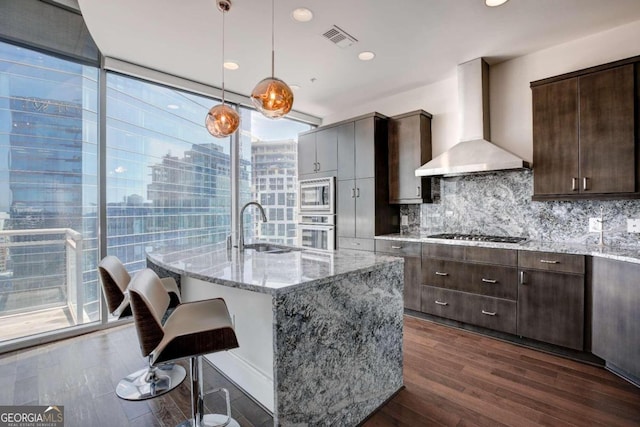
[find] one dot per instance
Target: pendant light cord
(273, 55)
(223, 13)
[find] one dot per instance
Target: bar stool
(151, 381)
(192, 330)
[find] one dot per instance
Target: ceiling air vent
(340, 37)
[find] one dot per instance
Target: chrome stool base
(150, 382)
(211, 420)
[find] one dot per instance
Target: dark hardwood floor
(82, 373)
(457, 378)
(452, 378)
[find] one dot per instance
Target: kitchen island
(320, 334)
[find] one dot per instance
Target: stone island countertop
(272, 273)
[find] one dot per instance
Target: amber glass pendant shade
(272, 97)
(222, 121)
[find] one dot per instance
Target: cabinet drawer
(492, 280)
(442, 302)
(491, 313)
(550, 261)
(485, 279)
(354, 243)
(442, 273)
(491, 255)
(398, 247)
(434, 250)
(471, 253)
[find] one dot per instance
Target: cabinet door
(409, 140)
(412, 282)
(365, 208)
(346, 209)
(307, 154)
(327, 149)
(616, 314)
(346, 151)
(551, 308)
(555, 138)
(365, 148)
(607, 145)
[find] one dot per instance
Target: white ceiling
(417, 42)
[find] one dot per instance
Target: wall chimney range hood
(475, 153)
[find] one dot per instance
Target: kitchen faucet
(264, 219)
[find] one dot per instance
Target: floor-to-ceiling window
(48, 192)
(168, 179)
(269, 174)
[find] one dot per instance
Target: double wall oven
(317, 214)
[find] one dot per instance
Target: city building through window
(167, 181)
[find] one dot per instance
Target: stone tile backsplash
(499, 203)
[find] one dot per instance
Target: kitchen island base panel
(325, 335)
(249, 366)
(338, 348)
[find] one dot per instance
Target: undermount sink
(270, 248)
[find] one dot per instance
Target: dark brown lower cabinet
(551, 308)
(616, 314)
(492, 313)
(470, 284)
(412, 275)
(537, 295)
(410, 251)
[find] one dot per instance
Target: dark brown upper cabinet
(585, 142)
(409, 148)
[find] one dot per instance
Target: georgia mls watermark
(31, 416)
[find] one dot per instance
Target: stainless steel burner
(478, 237)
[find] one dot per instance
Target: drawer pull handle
(549, 261)
(439, 273)
(522, 278)
(418, 191)
(441, 302)
(356, 243)
(396, 247)
(585, 185)
(489, 313)
(489, 280)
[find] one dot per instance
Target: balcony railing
(40, 271)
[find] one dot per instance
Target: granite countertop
(274, 274)
(611, 252)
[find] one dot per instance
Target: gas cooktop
(478, 237)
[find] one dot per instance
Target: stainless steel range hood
(475, 153)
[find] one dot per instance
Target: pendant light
(271, 96)
(222, 120)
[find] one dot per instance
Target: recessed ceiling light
(302, 14)
(366, 56)
(494, 3)
(231, 65)
(294, 87)
(173, 107)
